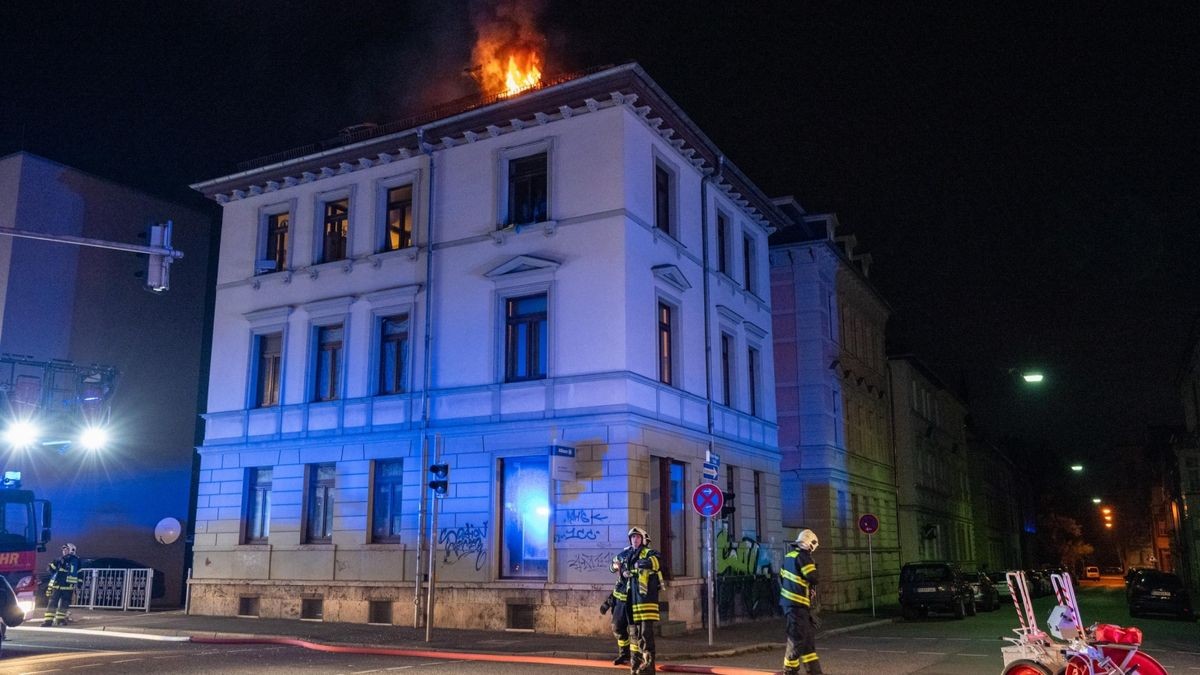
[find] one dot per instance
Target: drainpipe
(427, 368)
(708, 384)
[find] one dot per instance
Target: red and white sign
(708, 499)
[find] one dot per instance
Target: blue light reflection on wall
(526, 533)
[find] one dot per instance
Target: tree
(1061, 537)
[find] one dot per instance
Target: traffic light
(441, 479)
(158, 270)
(728, 508)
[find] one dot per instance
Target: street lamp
(1077, 468)
(1095, 500)
(1033, 377)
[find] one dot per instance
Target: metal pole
(421, 538)
(432, 570)
(712, 605)
(94, 243)
(871, 564)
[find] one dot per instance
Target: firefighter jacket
(797, 579)
(645, 584)
(622, 563)
(64, 573)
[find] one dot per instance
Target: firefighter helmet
(639, 531)
(807, 539)
(69, 548)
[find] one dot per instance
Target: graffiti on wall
(744, 557)
(575, 534)
(464, 541)
(579, 525)
(589, 562)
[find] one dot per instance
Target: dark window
(722, 244)
(662, 199)
(668, 515)
(385, 507)
(665, 355)
(726, 369)
(758, 507)
(258, 504)
(399, 218)
(752, 369)
(277, 243)
(527, 190)
(393, 354)
(337, 227)
(329, 363)
(320, 503)
(748, 262)
(268, 364)
(731, 501)
(525, 496)
(525, 338)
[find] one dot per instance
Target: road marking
(933, 653)
(850, 649)
(889, 651)
(127, 661)
(966, 654)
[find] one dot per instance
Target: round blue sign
(868, 523)
(708, 499)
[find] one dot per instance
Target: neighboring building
(929, 427)
(1187, 454)
(578, 291)
(833, 406)
(998, 500)
(89, 306)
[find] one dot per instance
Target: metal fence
(115, 588)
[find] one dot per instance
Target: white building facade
(476, 290)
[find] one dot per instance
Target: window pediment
(672, 275)
(522, 265)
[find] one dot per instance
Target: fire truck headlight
(26, 606)
(21, 434)
(94, 438)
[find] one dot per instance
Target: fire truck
(45, 406)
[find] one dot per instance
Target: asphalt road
(931, 646)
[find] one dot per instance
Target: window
(527, 189)
(258, 504)
(268, 368)
(398, 228)
(525, 336)
(726, 369)
(722, 243)
(328, 363)
(731, 488)
(666, 373)
(387, 480)
(525, 491)
(667, 513)
(752, 368)
(662, 198)
(275, 249)
(759, 532)
(335, 231)
(393, 354)
(319, 526)
(749, 263)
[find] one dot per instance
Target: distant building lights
(1108, 525)
(1106, 510)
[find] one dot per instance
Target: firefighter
(64, 578)
(797, 591)
(644, 572)
(618, 603)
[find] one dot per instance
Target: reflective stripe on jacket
(646, 583)
(797, 576)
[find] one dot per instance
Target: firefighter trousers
(801, 642)
(58, 606)
(620, 626)
(641, 635)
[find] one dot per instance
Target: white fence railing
(115, 588)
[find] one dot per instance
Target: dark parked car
(1154, 592)
(1133, 572)
(935, 586)
(987, 596)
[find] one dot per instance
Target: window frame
(673, 360)
(313, 482)
(666, 532)
(504, 159)
(250, 525)
(503, 498)
(750, 263)
(728, 349)
(321, 200)
(664, 168)
(262, 323)
(263, 244)
(383, 188)
(405, 355)
(395, 502)
(754, 368)
(507, 372)
(722, 228)
(257, 401)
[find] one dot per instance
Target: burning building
(561, 295)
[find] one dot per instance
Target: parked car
(1000, 581)
(1154, 592)
(1111, 571)
(1133, 572)
(987, 596)
(935, 586)
(1091, 572)
(1039, 583)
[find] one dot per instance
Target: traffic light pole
(433, 518)
(160, 256)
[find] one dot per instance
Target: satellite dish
(167, 530)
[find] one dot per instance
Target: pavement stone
(730, 640)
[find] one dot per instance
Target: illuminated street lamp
(1106, 510)
(1095, 500)
(1108, 525)
(1033, 377)
(1077, 468)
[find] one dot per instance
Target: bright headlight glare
(21, 434)
(94, 438)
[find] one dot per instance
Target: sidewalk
(727, 641)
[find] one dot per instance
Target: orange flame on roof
(508, 48)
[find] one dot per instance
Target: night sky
(1026, 179)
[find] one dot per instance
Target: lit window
(527, 190)
(258, 504)
(275, 250)
(399, 225)
(525, 347)
(336, 230)
(387, 480)
(667, 513)
(525, 490)
(320, 503)
(393, 354)
(268, 367)
(328, 363)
